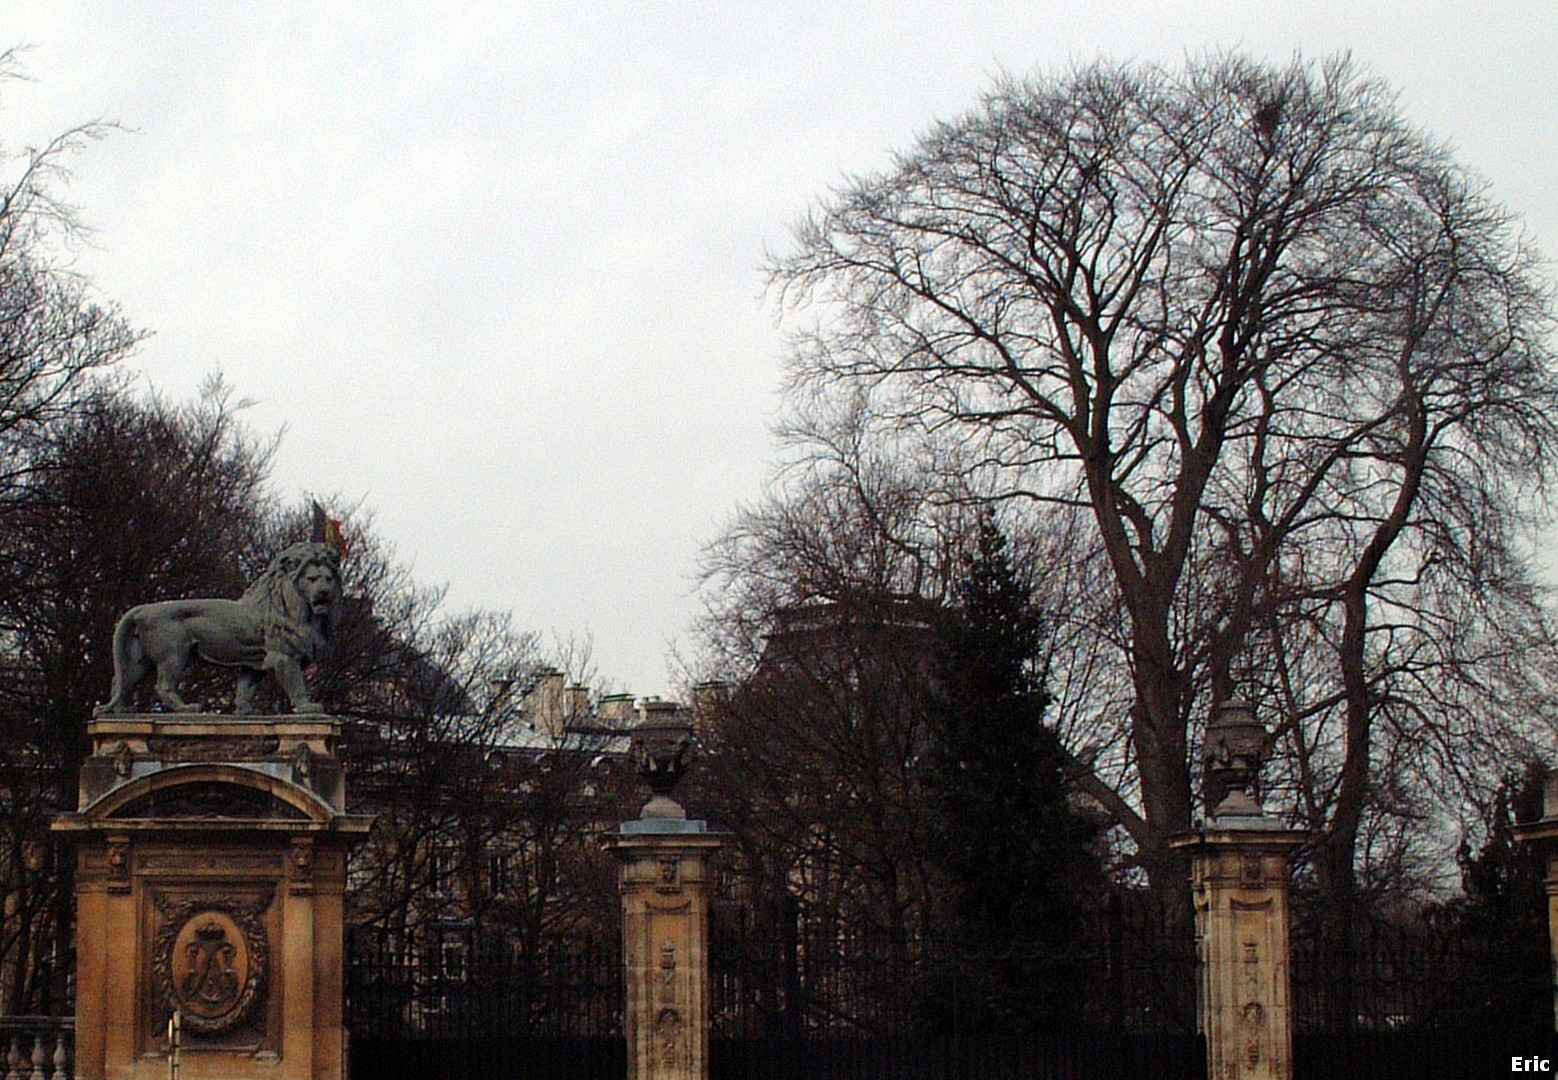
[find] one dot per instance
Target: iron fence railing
(1127, 967)
(1124, 967)
(1416, 975)
(463, 987)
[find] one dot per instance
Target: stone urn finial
(1232, 757)
(662, 748)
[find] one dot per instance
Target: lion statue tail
(128, 658)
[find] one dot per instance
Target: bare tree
(483, 818)
(1277, 352)
(123, 501)
(434, 719)
(816, 764)
(54, 335)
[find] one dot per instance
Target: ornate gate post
(664, 880)
(1239, 874)
(211, 848)
(210, 883)
(1542, 836)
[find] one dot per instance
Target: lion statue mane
(279, 625)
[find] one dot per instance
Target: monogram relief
(210, 965)
(210, 959)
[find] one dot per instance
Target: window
(497, 873)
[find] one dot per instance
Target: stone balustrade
(37, 1047)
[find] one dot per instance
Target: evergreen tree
(1500, 925)
(1017, 853)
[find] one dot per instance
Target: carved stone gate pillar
(665, 938)
(664, 877)
(1239, 876)
(1542, 836)
(1240, 881)
(210, 877)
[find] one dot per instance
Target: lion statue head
(299, 599)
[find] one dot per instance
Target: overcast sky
(496, 266)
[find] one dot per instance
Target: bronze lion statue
(278, 625)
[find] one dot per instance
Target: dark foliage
(123, 501)
(1503, 917)
(1016, 852)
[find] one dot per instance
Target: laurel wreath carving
(245, 911)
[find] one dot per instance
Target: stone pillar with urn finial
(664, 878)
(1239, 872)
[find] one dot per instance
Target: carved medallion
(210, 965)
(210, 959)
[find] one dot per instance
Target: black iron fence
(1069, 1055)
(492, 1057)
(785, 1003)
(1113, 998)
(1418, 975)
(456, 985)
(791, 997)
(1414, 1054)
(1125, 967)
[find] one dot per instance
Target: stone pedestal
(1240, 881)
(664, 879)
(210, 874)
(1542, 836)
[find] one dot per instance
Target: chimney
(576, 703)
(498, 693)
(616, 710)
(655, 711)
(543, 705)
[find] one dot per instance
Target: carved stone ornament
(667, 993)
(661, 753)
(670, 874)
(211, 959)
(300, 865)
(117, 859)
(662, 748)
(669, 1038)
(1232, 756)
(278, 626)
(174, 748)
